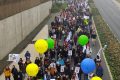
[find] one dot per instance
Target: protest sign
(13, 57)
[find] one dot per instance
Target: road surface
(110, 12)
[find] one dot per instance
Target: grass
(112, 53)
(57, 7)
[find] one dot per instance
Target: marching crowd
(63, 62)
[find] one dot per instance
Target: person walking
(20, 63)
(99, 70)
(20, 75)
(28, 62)
(7, 73)
(75, 39)
(52, 69)
(27, 55)
(15, 72)
(97, 59)
(37, 61)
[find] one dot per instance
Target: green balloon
(51, 43)
(83, 40)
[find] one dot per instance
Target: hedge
(58, 6)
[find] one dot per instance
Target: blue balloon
(61, 62)
(88, 65)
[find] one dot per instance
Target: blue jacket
(27, 54)
(99, 71)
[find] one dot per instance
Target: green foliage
(112, 53)
(58, 6)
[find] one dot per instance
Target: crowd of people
(63, 62)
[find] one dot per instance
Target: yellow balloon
(41, 46)
(96, 78)
(32, 69)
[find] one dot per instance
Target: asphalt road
(111, 14)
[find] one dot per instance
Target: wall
(15, 28)
(11, 7)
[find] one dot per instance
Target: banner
(13, 57)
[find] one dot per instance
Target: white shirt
(88, 51)
(53, 65)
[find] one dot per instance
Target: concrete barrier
(15, 28)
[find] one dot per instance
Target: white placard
(69, 36)
(84, 48)
(77, 69)
(14, 57)
(88, 51)
(62, 68)
(54, 36)
(69, 52)
(86, 17)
